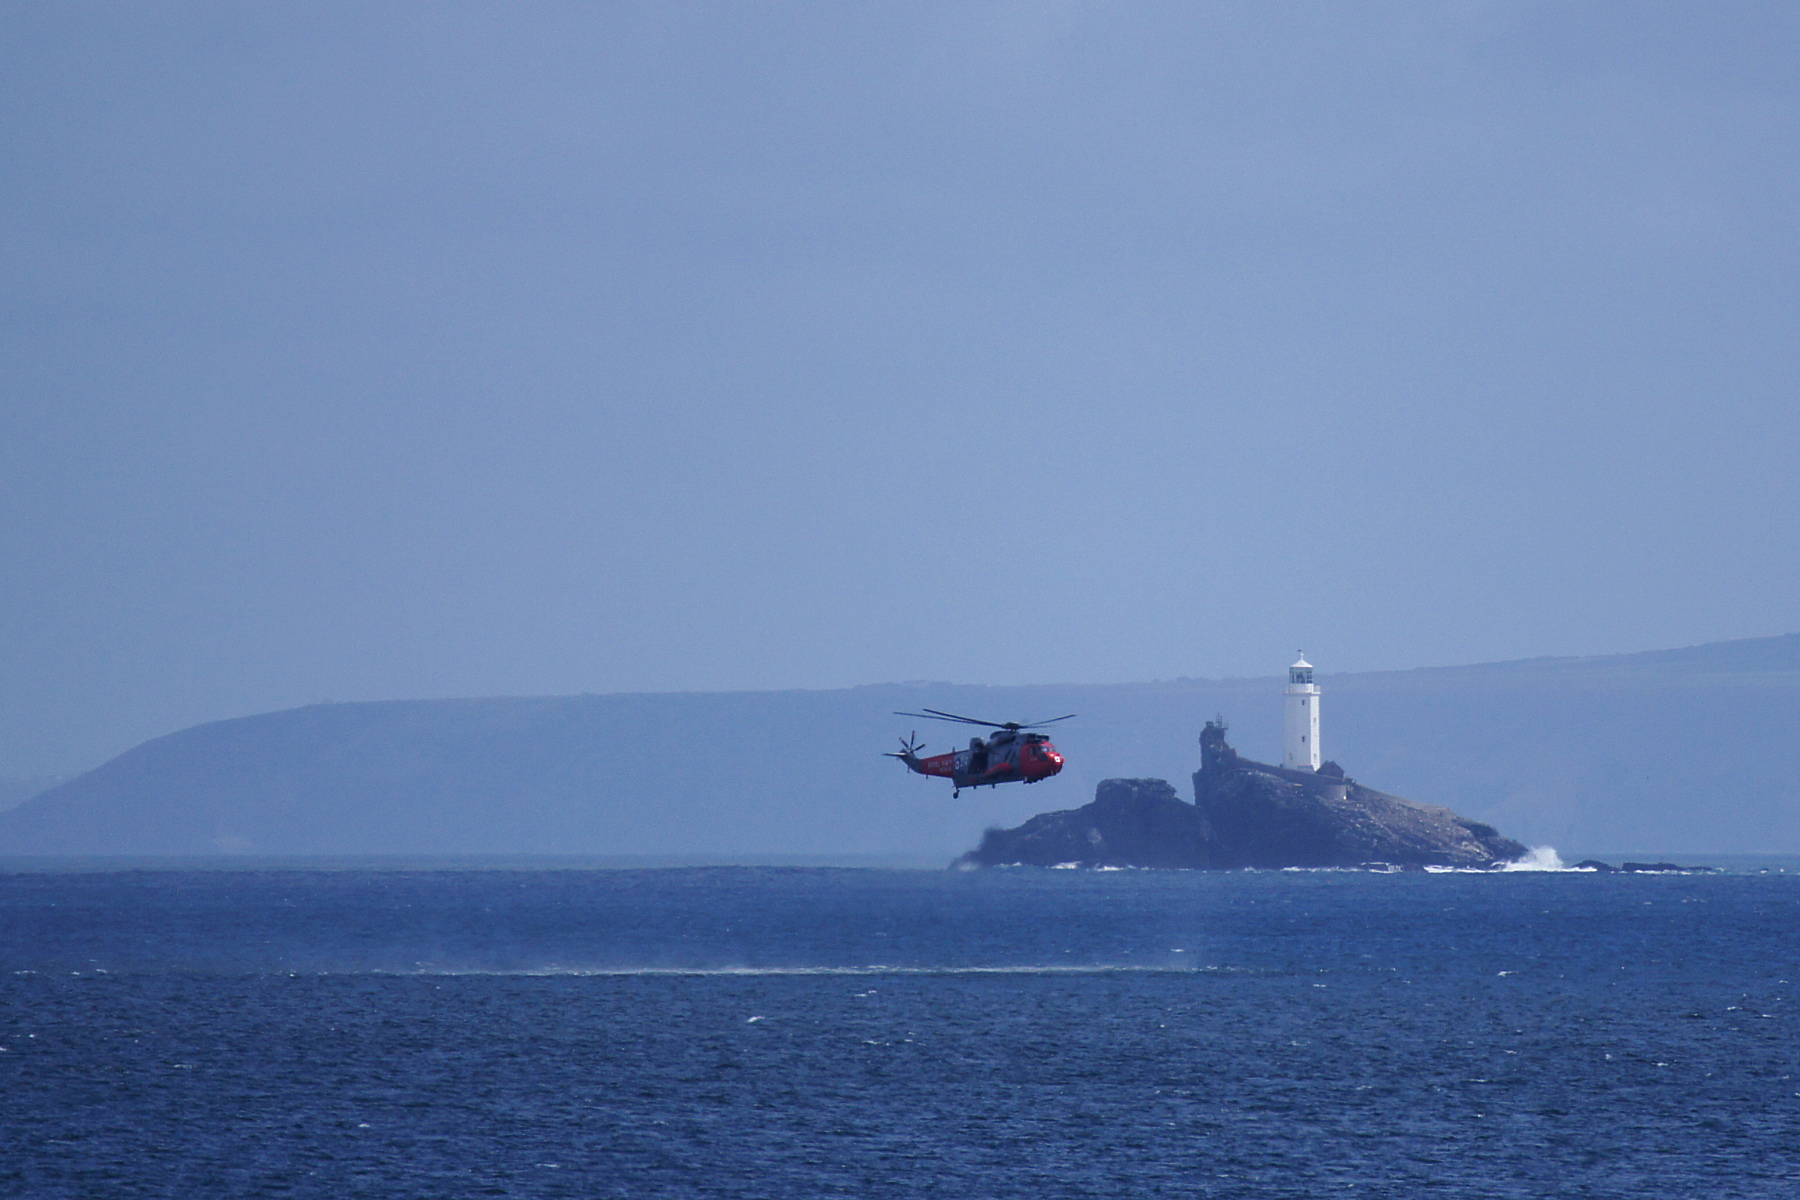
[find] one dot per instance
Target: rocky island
(1246, 814)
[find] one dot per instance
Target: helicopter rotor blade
(933, 714)
(959, 717)
(1051, 721)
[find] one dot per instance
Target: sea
(806, 1032)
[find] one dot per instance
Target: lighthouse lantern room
(1300, 745)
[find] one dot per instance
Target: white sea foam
(1538, 858)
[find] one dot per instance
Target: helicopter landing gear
(955, 792)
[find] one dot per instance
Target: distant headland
(1665, 753)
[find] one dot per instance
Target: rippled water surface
(768, 1032)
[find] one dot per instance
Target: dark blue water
(764, 1032)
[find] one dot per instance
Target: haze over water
(421, 350)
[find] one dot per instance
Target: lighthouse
(1300, 740)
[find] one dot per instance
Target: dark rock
(1665, 867)
(1131, 823)
(1593, 864)
(1259, 815)
(1246, 814)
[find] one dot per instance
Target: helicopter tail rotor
(909, 751)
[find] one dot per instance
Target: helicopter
(1008, 755)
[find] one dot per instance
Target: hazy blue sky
(364, 351)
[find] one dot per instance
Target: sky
(442, 349)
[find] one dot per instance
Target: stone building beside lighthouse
(1300, 734)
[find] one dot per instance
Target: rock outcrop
(1246, 814)
(1131, 823)
(1655, 868)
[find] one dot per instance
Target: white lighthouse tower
(1300, 741)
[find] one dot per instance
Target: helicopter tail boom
(943, 765)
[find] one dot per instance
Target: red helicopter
(1009, 755)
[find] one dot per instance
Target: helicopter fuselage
(1003, 758)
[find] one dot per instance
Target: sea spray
(1538, 858)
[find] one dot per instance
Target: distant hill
(1687, 751)
(16, 789)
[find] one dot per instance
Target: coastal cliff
(1246, 814)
